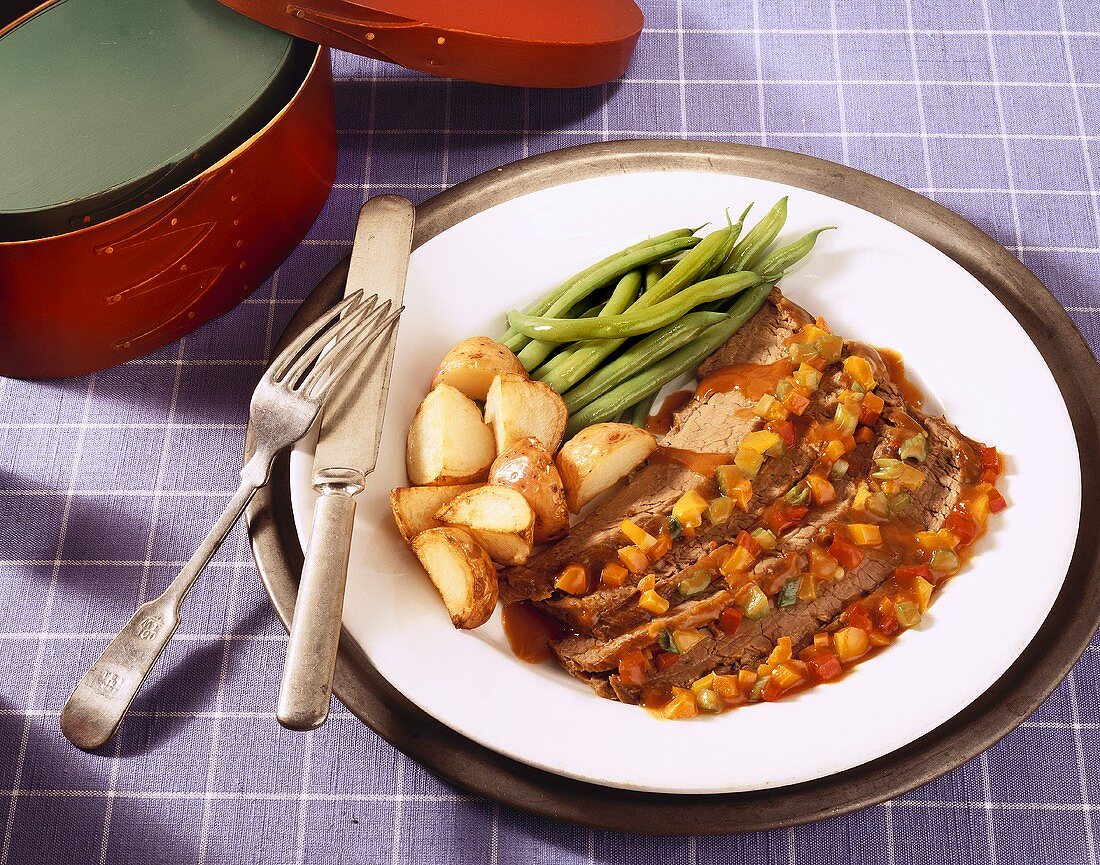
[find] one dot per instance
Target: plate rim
(1061, 639)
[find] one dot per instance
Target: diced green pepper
(915, 448)
(765, 538)
(673, 527)
(899, 502)
(666, 642)
(839, 469)
(709, 700)
(798, 494)
(944, 562)
(758, 689)
(907, 614)
(788, 595)
(888, 469)
(695, 583)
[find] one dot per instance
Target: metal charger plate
(1046, 660)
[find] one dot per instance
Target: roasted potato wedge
(448, 441)
(499, 518)
(414, 508)
(599, 456)
(472, 365)
(461, 571)
(529, 469)
(517, 408)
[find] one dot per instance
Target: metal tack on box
(181, 151)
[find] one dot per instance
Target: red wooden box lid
(527, 43)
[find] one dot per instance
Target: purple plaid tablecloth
(107, 482)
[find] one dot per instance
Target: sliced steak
(606, 612)
(950, 466)
(654, 489)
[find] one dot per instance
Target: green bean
(759, 238)
(537, 351)
(696, 265)
(639, 414)
(640, 356)
(636, 321)
(650, 381)
(653, 274)
(546, 301)
(621, 298)
(776, 263)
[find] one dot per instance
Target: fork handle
(306, 687)
(101, 699)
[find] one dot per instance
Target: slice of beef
(654, 489)
(950, 466)
(606, 612)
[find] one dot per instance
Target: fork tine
(332, 335)
(369, 324)
(279, 365)
(342, 359)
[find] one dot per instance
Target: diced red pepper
(729, 620)
(864, 434)
(823, 664)
(780, 519)
(963, 526)
(785, 430)
(856, 616)
(991, 459)
(750, 543)
(796, 402)
(664, 660)
(911, 572)
(632, 668)
(997, 502)
(772, 691)
(888, 622)
(847, 554)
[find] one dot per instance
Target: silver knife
(347, 451)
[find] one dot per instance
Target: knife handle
(306, 688)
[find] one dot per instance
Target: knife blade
(346, 452)
(351, 426)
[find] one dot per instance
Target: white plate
(871, 280)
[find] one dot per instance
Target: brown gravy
(531, 634)
(661, 423)
(751, 379)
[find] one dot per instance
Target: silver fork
(284, 406)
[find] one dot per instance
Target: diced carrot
(997, 502)
(785, 430)
(795, 402)
(865, 534)
(681, 706)
(779, 519)
(822, 491)
(633, 559)
(962, 526)
(864, 434)
(652, 602)
(746, 540)
(613, 575)
(847, 554)
(632, 668)
(745, 680)
(851, 643)
(661, 547)
(573, 579)
(664, 660)
(878, 638)
(637, 535)
(887, 621)
(730, 620)
(870, 409)
(859, 370)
